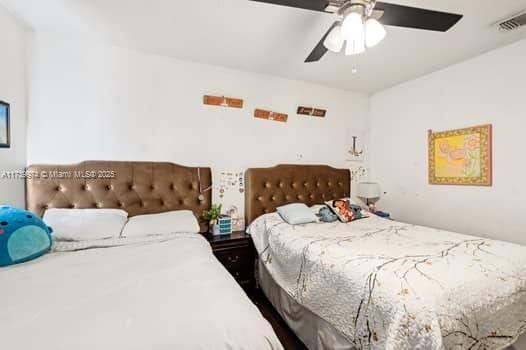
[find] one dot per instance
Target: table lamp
(370, 191)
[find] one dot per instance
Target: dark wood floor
(286, 336)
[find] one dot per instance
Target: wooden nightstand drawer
(237, 253)
(237, 261)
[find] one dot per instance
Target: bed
(158, 293)
(376, 283)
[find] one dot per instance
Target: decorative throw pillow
(345, 210)
(23, 236)
(297, 214)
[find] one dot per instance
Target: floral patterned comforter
(390, 285)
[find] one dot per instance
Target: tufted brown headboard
(269, 188)
(137, 187)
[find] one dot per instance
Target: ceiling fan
(361, 22)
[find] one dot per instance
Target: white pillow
(161, 224)
(85, 224)
(297, 214)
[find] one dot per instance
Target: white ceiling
(272, 39)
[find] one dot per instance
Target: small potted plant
(219, 224)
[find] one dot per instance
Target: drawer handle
(233, 259)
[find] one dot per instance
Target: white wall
(95, 101)
(488, 89)
(12, 91)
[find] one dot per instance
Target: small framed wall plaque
(5, 141)
(312, 112)
(222, 101)
(461, 156)
(270, 115)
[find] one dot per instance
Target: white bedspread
(389, 285)
(166, 295)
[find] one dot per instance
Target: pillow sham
(297, 214)
(160, 224)
(345, 209)
(85, 224)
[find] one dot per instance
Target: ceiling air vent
(513, 23)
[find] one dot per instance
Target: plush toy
(23, 236)
(326, 215)
(357, 211)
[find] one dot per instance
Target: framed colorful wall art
(461, 157)
(5, 142)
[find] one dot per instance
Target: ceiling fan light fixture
(353, 27)
(355, 47)
(334, 41)
(374, 32)
(354, 16)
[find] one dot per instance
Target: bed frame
(137, 187)
(269, 188)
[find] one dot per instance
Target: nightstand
(237, 253)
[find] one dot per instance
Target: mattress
(154, 295)
(313, 331)
(388, 285)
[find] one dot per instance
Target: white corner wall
(13, 91)
(95, 101)
(488, 89)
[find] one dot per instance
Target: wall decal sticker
(229, 191)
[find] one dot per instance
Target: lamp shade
(334, 41)
(353, 30)
(374, 32)
(369, 190)
(353, 26)
(355, 46)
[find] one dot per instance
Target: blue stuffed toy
(23, 236)
(326, 215)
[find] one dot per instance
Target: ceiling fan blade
(413, 17)
(314, 5)
(320, 50)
